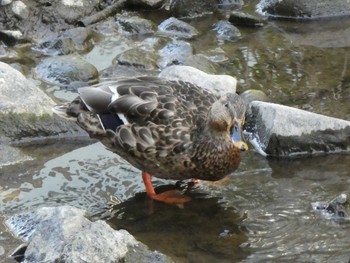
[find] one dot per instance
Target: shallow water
(261, 213)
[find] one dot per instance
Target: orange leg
(169, 197)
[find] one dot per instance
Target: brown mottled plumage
(170, 129)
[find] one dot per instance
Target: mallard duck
(167, 129)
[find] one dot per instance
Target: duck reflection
(202, 231)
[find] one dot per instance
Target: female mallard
(169, 129)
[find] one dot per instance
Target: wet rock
(202, 63)
(244, 19)
(175, 52)
(327, 33)
(183, 8)
(135, 25)
(78, 39)
(66, 71)
(13, 155)
(138, 58)
(174, 27)
(10, 37)
(304, 9)
(285, 131)
(226, 31)
(219, 84)
(230, 4)
(337, 209)
(64, 234)
(20, 9)
(153, 4)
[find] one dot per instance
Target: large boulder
(279, 130)
(26, 115)
(64, 234)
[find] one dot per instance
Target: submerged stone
(66, 70)
(226, 31)
(287, 131)
(139, 58)
(304, 9)
(337, 209)
(243, 19)
(135, 25)
(177, 28)
(175, 52)
(194, 8)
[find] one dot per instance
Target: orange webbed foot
(169, 197)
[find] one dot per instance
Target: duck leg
(169, 197)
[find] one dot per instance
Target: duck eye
(226, 104)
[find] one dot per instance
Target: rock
(25, 113)
(69, 71)
(5, 2)
(226, 31)
(71, 11)
(337, 209)
(244, 19)
(134, 25)
(194, 8)
(13, 155)
(20, 9)
(230, 4)
(153, 4)
(64, 234)
(138, 58)
(175, 52)
(10, 37)
(78, 39)
(219, 84)
(176, 28)
(17, 95)
(304, 9)
(285, 131)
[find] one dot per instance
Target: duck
(169, 129)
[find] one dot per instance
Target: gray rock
(175, 52)
(78, 39)
(17, 95)
(226, 31)
(5, 2)
(194, 8)
(71, 11)
(20, 9)
(139, 58)
(176, 28)
(243, 19)
(147, 3)
(66, 71)
(304, 9)
(64, 234)
(219, 84)
(284, 131)
(26, 115)
(134, 25)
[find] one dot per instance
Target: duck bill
(236, 137)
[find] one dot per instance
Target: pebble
(20, 10)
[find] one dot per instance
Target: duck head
(227, 117)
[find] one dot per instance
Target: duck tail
(62, 111)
